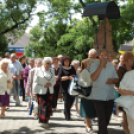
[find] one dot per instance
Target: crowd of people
(45, 80)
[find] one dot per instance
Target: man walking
(104, 77)
(16, 70)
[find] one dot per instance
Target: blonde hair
(3, 61)
(75, 62)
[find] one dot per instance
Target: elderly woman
(56, 67)
(128, 59)
(43, 88)
(65, 74)
(75, 64)
(38, 64)
(127, 92)
(25, 76)
(87, 108)
(5, 77)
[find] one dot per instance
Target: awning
(107, 9)
(126, 48)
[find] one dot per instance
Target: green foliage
(15, 15)
(73, 37)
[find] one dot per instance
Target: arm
(35, 84)
(61, 77)
(53, 80)
(29, 83)
(96, 74)
(126, 92)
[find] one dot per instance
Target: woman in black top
(65, 74)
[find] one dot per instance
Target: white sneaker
(88, 130)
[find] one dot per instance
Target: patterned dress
(45, 107)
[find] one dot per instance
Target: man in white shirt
(16, 70)
(104, 77)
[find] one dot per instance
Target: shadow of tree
(22, 130)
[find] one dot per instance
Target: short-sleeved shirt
(101, 90)
(15, 68)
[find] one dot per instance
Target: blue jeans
(16, 86)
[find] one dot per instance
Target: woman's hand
(28, 94)
(8, 81)
(34, 95)
(71, 78)
(121, 91)
(56, 78)
(47, 85)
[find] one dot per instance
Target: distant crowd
(47, 81)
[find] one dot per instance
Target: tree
(77, 37)
(44, 42)
(15, 15)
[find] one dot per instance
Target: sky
(41, 8)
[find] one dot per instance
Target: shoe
(118, 119)
(36, 116)
(88, 130)
(7, 108)
(18, 104)
(28, 108)
(2, 116)
(78, 115)
(45, 125)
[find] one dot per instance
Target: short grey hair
(38, 60)
(30, 60)
(7, 53)
(47, 59)
(92, 51)
(3, 61)
(13, 54)
(90, 61)
(75, 62)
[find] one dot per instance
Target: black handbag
(85, 91)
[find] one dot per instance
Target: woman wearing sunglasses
(43, 88)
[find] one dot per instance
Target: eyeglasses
(48, 63)
(115, 62)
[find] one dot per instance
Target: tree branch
(16, 25)
(82, 3)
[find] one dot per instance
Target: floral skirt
(45, 107)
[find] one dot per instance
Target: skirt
(4, 100)
(87, 108)
(45, 107)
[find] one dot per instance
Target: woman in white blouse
(5, 77)
(43, 88)
(87, 108)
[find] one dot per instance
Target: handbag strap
(87, 70)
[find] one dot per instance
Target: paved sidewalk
(19, 122)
